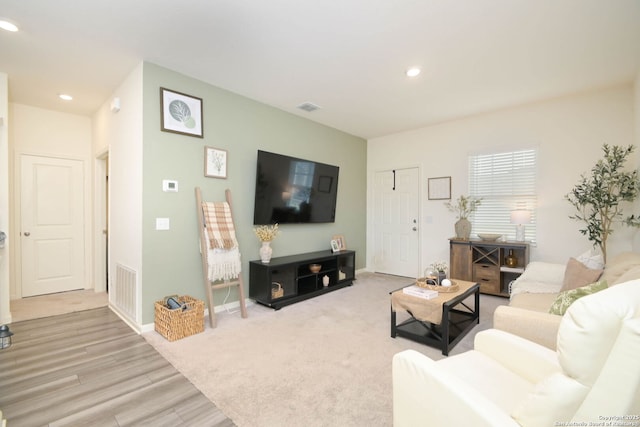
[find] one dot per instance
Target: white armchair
(509, 381)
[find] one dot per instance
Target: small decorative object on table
(266, 233)
(489, 237)
(436, 278)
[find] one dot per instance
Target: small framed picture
(215, 162)
(440, 188)
(180, 113)
(342, 243)
(335, 246)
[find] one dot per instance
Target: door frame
(100, 221)
(371, 209)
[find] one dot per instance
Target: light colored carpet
(321, 362)
(53, 304)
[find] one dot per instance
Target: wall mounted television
(291, 190)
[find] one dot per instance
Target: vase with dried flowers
(464, 206)
(266, 233)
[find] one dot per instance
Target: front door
(396, 222)
(52, 230)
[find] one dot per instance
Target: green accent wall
(171, 259)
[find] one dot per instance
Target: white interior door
(396, 226)
(52, 230)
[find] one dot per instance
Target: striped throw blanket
(223, 255)
(217, 217)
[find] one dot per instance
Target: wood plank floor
(90, 369)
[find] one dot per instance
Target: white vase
(265, 252)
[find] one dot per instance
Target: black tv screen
(291, 190)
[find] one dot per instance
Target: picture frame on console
(342, 243)
(335, 245)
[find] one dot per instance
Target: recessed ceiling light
(413, 71)
(65, 97)
(8, 26)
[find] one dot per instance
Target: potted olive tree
(599, 197)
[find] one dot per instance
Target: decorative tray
(422, 282)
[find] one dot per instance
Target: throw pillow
(576, 275)
(591, 260)
(566, 298)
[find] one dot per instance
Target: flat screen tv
(291, 190)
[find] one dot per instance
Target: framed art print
(180, 113)
(440, 188)
(342, 243)
(215, 162)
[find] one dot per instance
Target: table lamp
(520, 218)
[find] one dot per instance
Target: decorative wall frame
(440, 188)
(215, 162)
(180, 113)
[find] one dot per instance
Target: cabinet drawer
(488, 276)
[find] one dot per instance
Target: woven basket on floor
(178, 323)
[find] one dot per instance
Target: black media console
(287, 280)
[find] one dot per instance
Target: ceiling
(347, 56)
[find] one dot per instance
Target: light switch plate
(162, 224)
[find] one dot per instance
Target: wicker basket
(177, 324)
(276, 290)
(422, 282)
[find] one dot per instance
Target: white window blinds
(505, 182)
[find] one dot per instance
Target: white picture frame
(215, 163)
(439, 188)
(335, 245)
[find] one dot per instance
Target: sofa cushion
(536, 302)
(566, 298)
(620, 265)
(577, 275)
(629, 275)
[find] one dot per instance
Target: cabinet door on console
(460, 260)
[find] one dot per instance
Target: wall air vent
(308, 107)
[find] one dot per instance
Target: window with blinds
(505, 182)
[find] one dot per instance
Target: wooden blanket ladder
(204, 246)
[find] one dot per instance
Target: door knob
(27, 234)
(415, 229)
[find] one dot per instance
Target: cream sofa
(509, 381)
(533, 293)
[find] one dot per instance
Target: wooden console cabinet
(484, 262)
(287, 280)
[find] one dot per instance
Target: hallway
(55, 304)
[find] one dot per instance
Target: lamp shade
(520, 217)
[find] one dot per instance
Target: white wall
(121, 135)
(568, 132)
(44, 132)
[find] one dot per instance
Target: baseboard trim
(149, 327)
